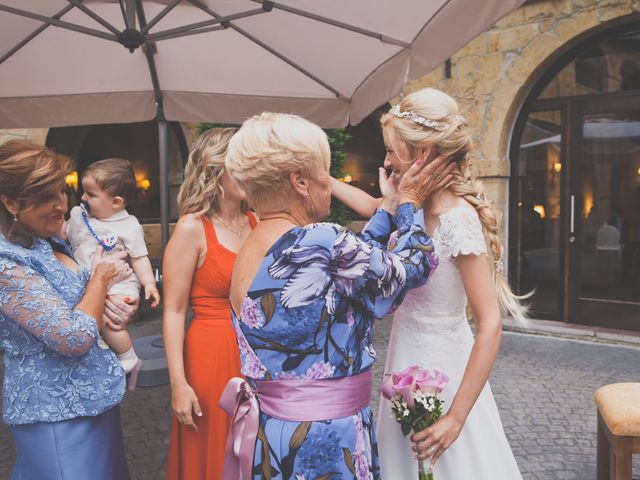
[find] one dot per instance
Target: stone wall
(492, 75)
(37, 135)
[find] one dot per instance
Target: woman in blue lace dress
(61, 389)
(305, 297)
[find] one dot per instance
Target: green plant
(203, 127)
(337, 138)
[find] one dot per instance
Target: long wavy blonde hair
(453, 140)
(201, 190)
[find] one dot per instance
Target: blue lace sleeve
(378, 278)
(30, 301)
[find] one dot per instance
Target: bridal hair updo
(201, 190)
(267, 149)
(429, 117)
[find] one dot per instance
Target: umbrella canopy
(78, 62)
(72, 62)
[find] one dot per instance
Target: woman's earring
(15, 217)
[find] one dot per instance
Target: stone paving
(543, 386)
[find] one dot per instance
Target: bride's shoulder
(462, 230)
(459, 212)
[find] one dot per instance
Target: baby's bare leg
(120, 343)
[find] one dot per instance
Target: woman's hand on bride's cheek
(440, 436)
(388, 184)
(389, 190)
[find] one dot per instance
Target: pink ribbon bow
(239, 401)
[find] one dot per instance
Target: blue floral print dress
(309, 315)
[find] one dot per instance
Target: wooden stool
(618, 429)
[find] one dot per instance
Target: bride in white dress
(430, 328)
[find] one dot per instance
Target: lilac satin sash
(289, 400)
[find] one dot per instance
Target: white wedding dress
(430, 329)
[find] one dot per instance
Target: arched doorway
(137, 142)
(575, 185)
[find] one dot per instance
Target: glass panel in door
(609, 214)
(538, 217)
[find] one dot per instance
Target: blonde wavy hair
(201, 190)
(453, 139)
(267, 149)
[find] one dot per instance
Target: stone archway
(525, 70)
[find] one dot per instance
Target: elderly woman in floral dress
(305, 296)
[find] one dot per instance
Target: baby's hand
(151, 291)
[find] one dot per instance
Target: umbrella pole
(164, 181)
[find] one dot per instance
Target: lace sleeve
(462, 233)
(29, 300)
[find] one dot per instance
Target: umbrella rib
(159, 17)
(151, 63)
(336, 23)
(95, 16)
(124, 15)
(290, 62)
(364, 80)
(59, 23)
(33, 34)
(191, 32)
(207, 23)
(274, 52)
(442, 7)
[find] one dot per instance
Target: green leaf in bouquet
(406, 428)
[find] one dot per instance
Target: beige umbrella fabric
(62, 62)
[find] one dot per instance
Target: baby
(109, 186)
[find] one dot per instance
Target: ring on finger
(431, 450)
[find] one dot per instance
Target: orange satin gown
(211, 358)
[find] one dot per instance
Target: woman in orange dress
(197, 268)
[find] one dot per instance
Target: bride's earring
(15, 217)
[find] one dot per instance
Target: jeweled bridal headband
(426, 122)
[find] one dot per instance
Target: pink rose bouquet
(416, 402)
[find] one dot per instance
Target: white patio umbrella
(74, 62)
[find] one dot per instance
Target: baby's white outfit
(124, 227)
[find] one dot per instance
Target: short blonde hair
(267, 149)
(201, 190)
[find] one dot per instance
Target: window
(612, 65)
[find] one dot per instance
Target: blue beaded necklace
(112, 239)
